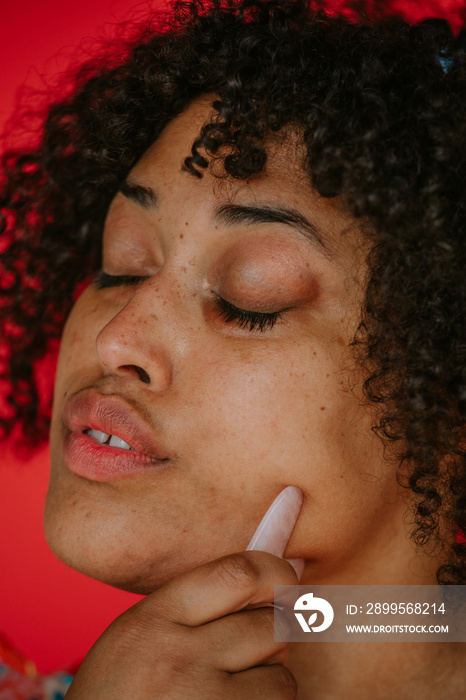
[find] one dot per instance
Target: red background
(50, 613)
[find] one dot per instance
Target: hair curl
(382, 123)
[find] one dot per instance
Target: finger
(219, 588)
(272, 682)
(245, 639)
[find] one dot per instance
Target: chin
(115, 568)
(113, 559)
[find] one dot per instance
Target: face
(224, 407)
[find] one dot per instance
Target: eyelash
(104, 281)
(249, 320)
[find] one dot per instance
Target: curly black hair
(379, 106)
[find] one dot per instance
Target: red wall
(49, 612)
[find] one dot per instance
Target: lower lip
(86, 457)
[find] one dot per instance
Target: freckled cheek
(79, 335)
(254, 414)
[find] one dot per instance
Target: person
(247, 229)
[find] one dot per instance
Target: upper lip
(111, 413)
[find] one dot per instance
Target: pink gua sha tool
(276, 526)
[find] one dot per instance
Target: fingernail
(276, 526)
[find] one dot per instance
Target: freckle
(322, 408)
(314, 353)
(182, 234)
(327, 375)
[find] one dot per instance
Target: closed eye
(249, 320)
(104, 280)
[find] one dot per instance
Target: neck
(382, 671)
(378, 671)
(385, 554)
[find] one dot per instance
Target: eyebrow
(144, 196)
(232, 215)
(250, 214)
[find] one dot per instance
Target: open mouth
(108, 439)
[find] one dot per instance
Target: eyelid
(258, 321)
(251, 321)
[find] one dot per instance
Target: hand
(193, 639)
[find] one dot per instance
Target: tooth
(118, 442)
(98, 435)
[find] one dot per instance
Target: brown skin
(241, 414)
(182, 640)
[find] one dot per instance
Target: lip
(112, 414)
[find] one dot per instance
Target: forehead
(284, 181)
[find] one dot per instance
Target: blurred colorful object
(19, 679)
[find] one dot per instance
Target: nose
(130, 345)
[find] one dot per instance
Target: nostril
(142, 374)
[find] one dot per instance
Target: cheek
(77, 346)
(287, 420)
(263, 418)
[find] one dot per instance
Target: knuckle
(279, 658)
(140, 626)
(281, 624)
(238, 571)
(131, 629)
(265, 619)
(273, 624)
(287, 683)
(281, 649)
